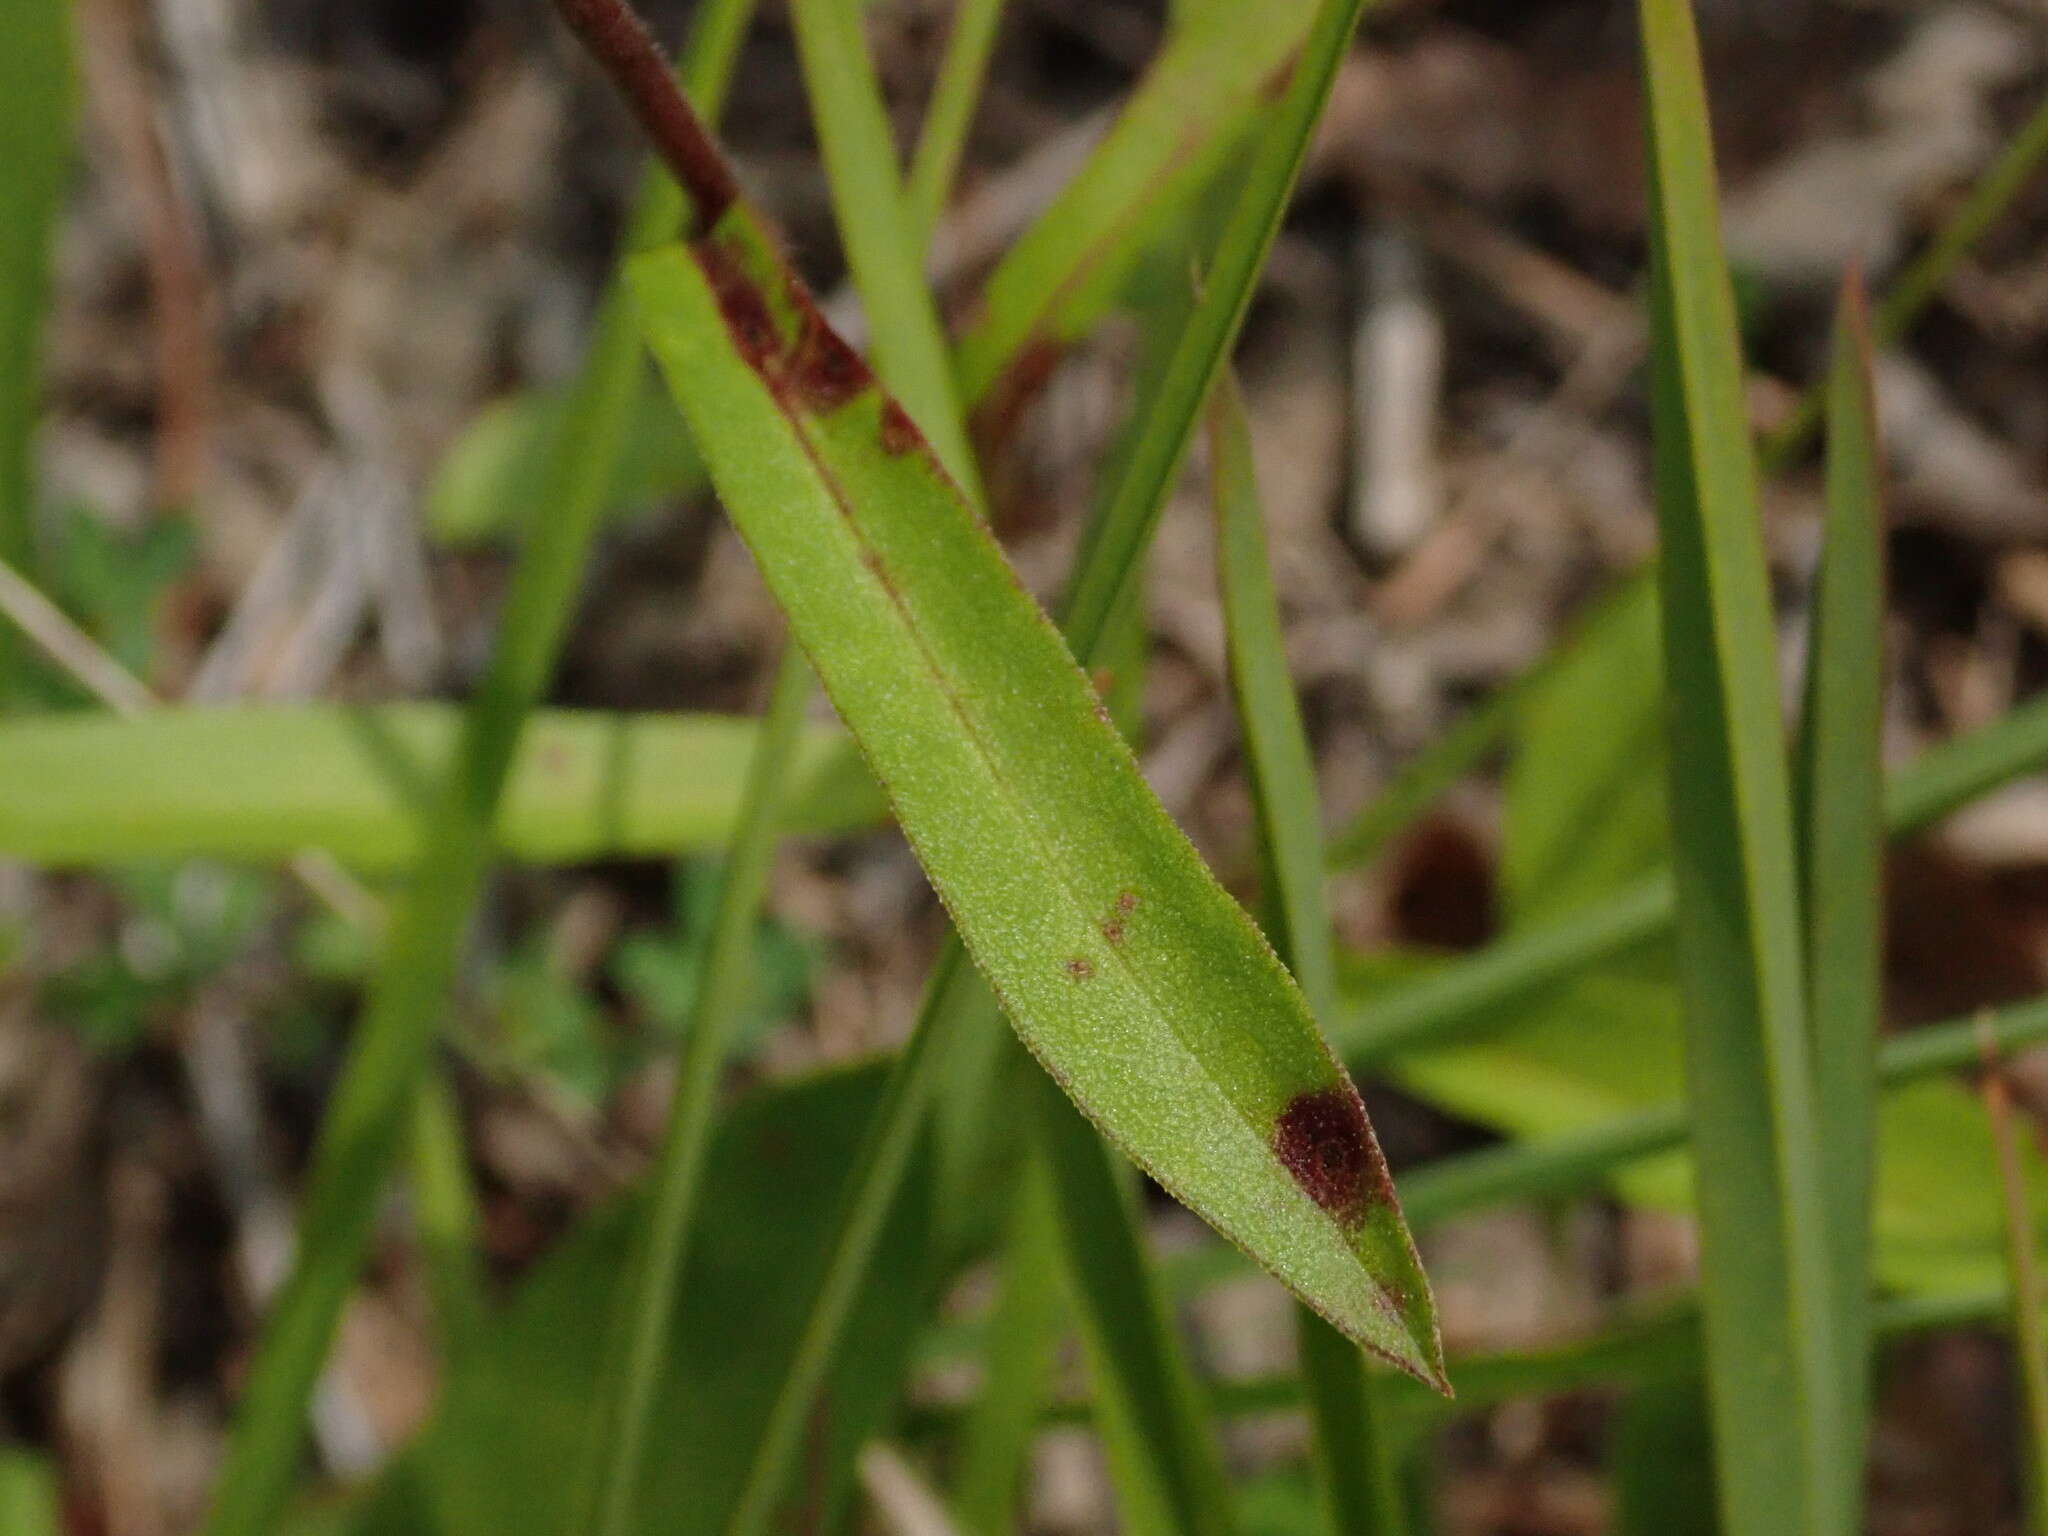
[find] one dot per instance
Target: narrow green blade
(261, 782)
(1748, 1064)
(995, 1442)
(1357, 1490)
(35, 148)
(1157, 1434)
(1841, 824)
(639, 1343)
(908, 346)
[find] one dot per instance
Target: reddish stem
(619, 41)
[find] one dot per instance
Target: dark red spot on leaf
(1127, 901)
(743, 305)
(1113, 931)
(1080, 969)
(1322, 1139)
(826, 372)
(899, 432)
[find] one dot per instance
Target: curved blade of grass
(645, 1306)
(35, 147)
(367, 1113)
(1205, 341)
(1841, 824)
(995, 1441)
(1164, 1463)
(908, 346)
(1117, 956)
(1222, 64)
(949, 114)
(1467, 998)
(1357, 1492)
(1778, 1438)
(262, 782)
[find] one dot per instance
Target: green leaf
(516, 1413)
(484, 481)
(35, 147)
(1356, 1486)
(1841, 825)
(616, 1449)
(1769, 1331)
(1119, 959)
(261, 782)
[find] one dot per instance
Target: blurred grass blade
(446, 1217)
(645, 1301)
(1216, 74)
(1470, 996)
(1163, 1459)
(1118, 957)
(29, 1504)
(2023, 1281)
(956, 1003)
(970, 39)
(366, 1115)
(1433, 772)
(1560, 1165)
(1841, 828)
(907, 344)
(1017, 1362)
(1357, 1496)
(1663, 1461)
(1748, 1064)
(1205, 340)
(35, 148)
(262, 782)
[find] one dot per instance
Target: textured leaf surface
(1124, 966)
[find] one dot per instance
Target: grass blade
(995, 1442)
(35, 144)
(1205, 340)
(1841, 824)
(908, 346)
(1217, 73)
(1156, 1432)
(1358, 1495)
(261, 782)
(1117, 956)
(367, 1113)
(1748, 1064)
(949, 114)
(645, 1306)
(2023, 1280)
